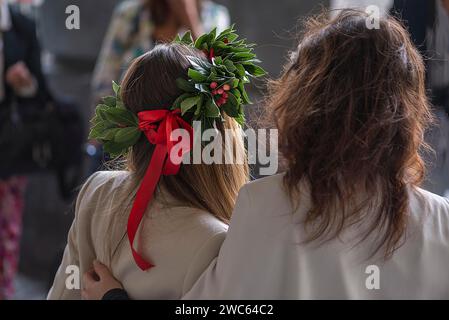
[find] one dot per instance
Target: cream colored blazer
(263, 258)
(180, 241)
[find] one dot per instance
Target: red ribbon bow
(157, 126)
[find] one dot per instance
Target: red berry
(225, 95)
(222, 101)
(225, 40)
(214, 92)
(226, 87)
(213, 85)
(220, 91)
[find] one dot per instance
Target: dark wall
(271, 24)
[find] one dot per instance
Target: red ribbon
(210, 54)
(157, 126)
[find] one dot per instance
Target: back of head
(351, 110)
(150, 83)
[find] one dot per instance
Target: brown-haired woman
(347, 218)
(187, 219)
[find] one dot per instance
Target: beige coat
(180, 241)
(262, 256)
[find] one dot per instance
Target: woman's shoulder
(189, 220)
(266, 195)
(101, 179)
(198, 236)
(102, 185)
(266, 183)
(427, 205)
(429, 217)
(183, 240)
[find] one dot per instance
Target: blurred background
(38, 210)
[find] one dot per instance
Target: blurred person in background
(135, 28)
(22, 85)
(138, 24)
(428, 24)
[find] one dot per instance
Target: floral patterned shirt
(130, 35)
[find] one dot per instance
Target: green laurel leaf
(188, 103)
(110, 101)
(212, 110)
(99, 128)
(108, 134)
(245, 97)
(231, 107)
(116, 88)
(196, 75)
(254, 70)
(199, 42)
(100, 111)
(233, 63)
(128, 136)
(229, 65)
(115, 149)
(177, 103)
(187, 38)
(185, 85)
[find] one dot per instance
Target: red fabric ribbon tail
(160, 164)
(144, 196)
(211, 54)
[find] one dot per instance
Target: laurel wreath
(212, 88)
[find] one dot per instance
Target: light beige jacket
(181, 241)
(263, 256)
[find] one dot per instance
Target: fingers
(18, 75)
(90, 285)
(97, 273)
(22, 71)
(84, 294)
(97, 281)
(101, 270)
(89, 278)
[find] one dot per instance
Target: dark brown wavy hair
(351, 110)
